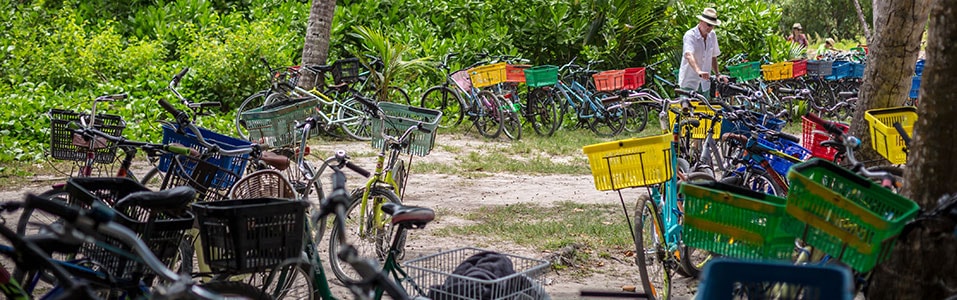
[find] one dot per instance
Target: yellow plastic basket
(884, 137)
(700, 131)
(778, 71)
(630, 162)
(487, 75)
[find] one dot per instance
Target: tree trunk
(316, 48)
(922, 266)
(893, 45)
(863, 19)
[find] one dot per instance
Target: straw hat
(797, 26)
(710, 16)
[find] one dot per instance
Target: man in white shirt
(701, 52)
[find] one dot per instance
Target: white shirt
(703, 50)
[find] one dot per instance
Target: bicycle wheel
(692, 260)
(636, 118)
(651, 254)
(370, 240)
(289, 281)
(487, 118)
(399, 95)
(236, 289)
(360, 125)
(447, 101)
(399, 174)
(608, 119)
(755, 180)
(33, 222)
(542, 111)
(511, 122)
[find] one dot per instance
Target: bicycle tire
(374, 245)
(446, 100)
(487, 121)
(610, 116)
(360, 128)
(692, 267)
(756, 180)
(400, 174)
(256, 100)
(236, 289)
(511, 122)
(650, 250)
(291, 280)
(636, 118)
(542, 111)
(32, 221)
(148, 179)
(399, 95)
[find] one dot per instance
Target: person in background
(797, 35)
(826, 47)
(700, 54)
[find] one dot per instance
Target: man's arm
(689, 56)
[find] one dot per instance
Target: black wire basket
(63, 146)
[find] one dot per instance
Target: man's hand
(723, 79)
(704, 75)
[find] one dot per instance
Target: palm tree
(315, 50)
(393, 59)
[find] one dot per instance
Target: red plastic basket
(634, 78)
(799, 68)
(612, 80)
(515, 73)
(812, 141)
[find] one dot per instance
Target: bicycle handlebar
(113, 97)
(183, 120)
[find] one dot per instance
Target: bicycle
(366, 223)
(652, 162)
(335, 111)
(588, 107)
(94, 224)
(443, 97)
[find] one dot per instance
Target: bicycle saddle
(171, 199)
(412, 217)
(278, 161)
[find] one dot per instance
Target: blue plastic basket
(236, 164)
(741, 127)
(839, 70)
(857, 70)
(919, 68)
(915, 87)
(731, 279)
(781, 165)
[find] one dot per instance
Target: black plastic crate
(162, 231)
(250, 235)
(819, 67)
(346, 70)
(61, 137)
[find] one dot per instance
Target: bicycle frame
(577, 92)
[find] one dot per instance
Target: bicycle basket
(630, 162)
(540, 76)
(61, 137)
(634, 78)
(733, 279)
(745, 71)
(611, 80)
(398, 118)
(346, 70)
(798, 68)
(263, 184)
(839, 70)
(276, 126)
(210, 181)
(436, 276)
(250, 235)
(701, 131)
(735, 221)
(843, 214)
(515, 73)
(777, 71)
(812, 141)
(235, 164)
(487, 75)
(819, 67)
(161, 229)
(462, 80)
(884, 137)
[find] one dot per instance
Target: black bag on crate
(486, 266)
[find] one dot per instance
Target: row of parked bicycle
(243, 217)
(725, 181)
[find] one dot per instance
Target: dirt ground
(463, 193)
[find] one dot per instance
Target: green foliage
(393, 58)
(746, 26)
(825, 18)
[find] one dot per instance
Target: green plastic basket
(540, 76)
(275, 125)
(735, 222)
(745, 71)
(843, 214)
(398, 118)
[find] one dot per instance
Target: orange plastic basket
(612, 80)
(515, 73)
(634, 78)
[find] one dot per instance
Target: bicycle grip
(70, 214)
(357, 169)
(170, 109)
(830, 127)
(787, 90)
(179, 76)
